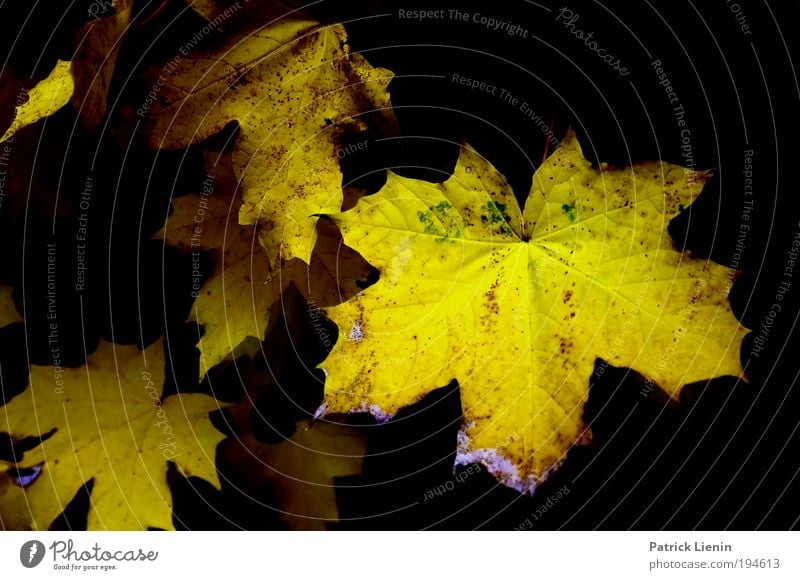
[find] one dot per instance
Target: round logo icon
(31, 553)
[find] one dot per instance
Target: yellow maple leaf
(300, 469)
(518, 305)
(106, 422)
(8, 311)
(210, 9)
(47, 97)
(293, 86)
(234, 301)
(225, 12)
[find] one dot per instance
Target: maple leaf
(8, 311)
(235, 298)
(294, 87)
(300, 469)
(518, 305)
(223, 10)
(105, 422)
(220, 11)
(44, 99)
(209, 9)
(99, 42)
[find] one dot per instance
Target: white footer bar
(390, 555)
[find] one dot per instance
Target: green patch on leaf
(439, 222)
(570, 210)
(494, 213)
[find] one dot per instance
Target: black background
(725, 456)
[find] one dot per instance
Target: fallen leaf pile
(516, 304)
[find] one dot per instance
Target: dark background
(725, 456)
